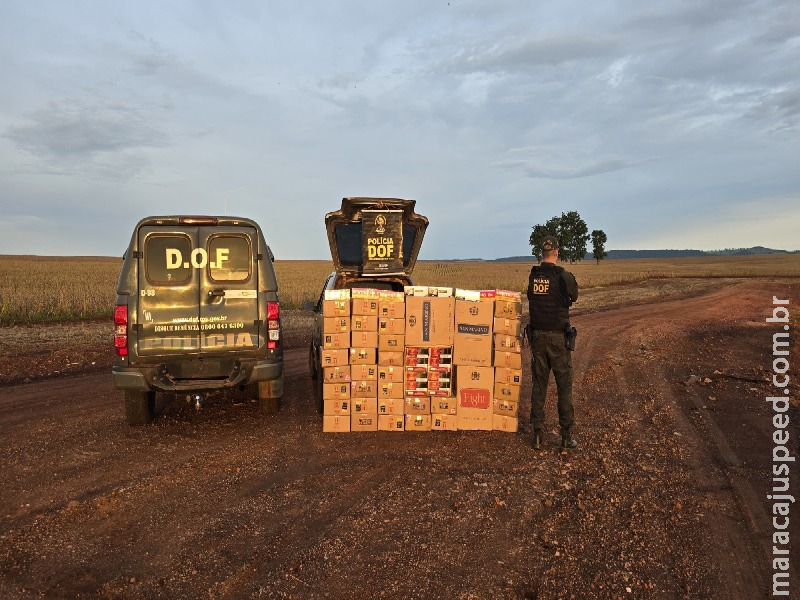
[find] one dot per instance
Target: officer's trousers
(549, 353)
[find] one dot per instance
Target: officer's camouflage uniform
(551, 291)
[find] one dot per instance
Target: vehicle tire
(317, 386)
(139, 407)
(312, 364)
(269, 395)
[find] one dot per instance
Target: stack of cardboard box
(507, 360)
(392, 360)
(428, 356)
(391, 341)
(335, 361)
(472, 356)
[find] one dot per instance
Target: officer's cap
(550, 243)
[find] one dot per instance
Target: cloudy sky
(670, 124)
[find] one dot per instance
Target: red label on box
(475, 398)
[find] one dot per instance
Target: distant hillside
(612, 254)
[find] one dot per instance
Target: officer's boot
(567, 441)
(537, 439)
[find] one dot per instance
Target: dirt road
(664, 498)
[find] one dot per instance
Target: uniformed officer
(551, 291)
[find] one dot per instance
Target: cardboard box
(363, 356)
(364, 306)
(507, 326)
(506, 391)
(474, 393)
(391, 389)
(391, 343)
(508, 360)
(390, 359)
(336, 407)
(391, 422)
(392, 309)
(363, 372)
(429, 321)
(446, 405)
(334, 357)
(507, 343)
(336, 308)
(418, 423)
(364, 406)
(364, 339)
(335, 391)
(472, 344)
(475, 295)
(417, 405)
(508, 304)
(428, 291)
(507, 376)
(336, 374)
(364, 422)
(444, 422)
(335, 423)
(504, 423)
(336, 325)
(364, 389)
(343, 294)
(391, 373)
(391, 326)
(508, 408)
(391, 406)
(364, 323)
(335, 340)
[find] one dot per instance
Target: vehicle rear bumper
(156, 378)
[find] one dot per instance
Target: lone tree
(599, 240)
(572, 234)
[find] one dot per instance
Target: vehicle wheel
(312, 365)
(139, 407)
(317, 386)
(269, 395)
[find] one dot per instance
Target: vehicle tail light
(121, 329)
(273, 325)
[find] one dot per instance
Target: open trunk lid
(375, 236)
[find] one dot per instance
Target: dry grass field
(40, 288)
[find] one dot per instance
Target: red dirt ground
(664, 498)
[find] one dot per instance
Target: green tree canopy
(572, 234)
(599, 240)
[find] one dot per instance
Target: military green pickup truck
(197, 311)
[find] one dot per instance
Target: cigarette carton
(335, 423)
(336, 374)
(391, 422)
(336, 407)
(504, 423)
(363, 356)
(364, 422)
(440, 422)
(335, 308)
(418, 423)
(334, 357)
(364, 323)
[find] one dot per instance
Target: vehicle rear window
(229, 257)
(349, 243)
(166, 259)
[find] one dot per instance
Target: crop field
(39, 288)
